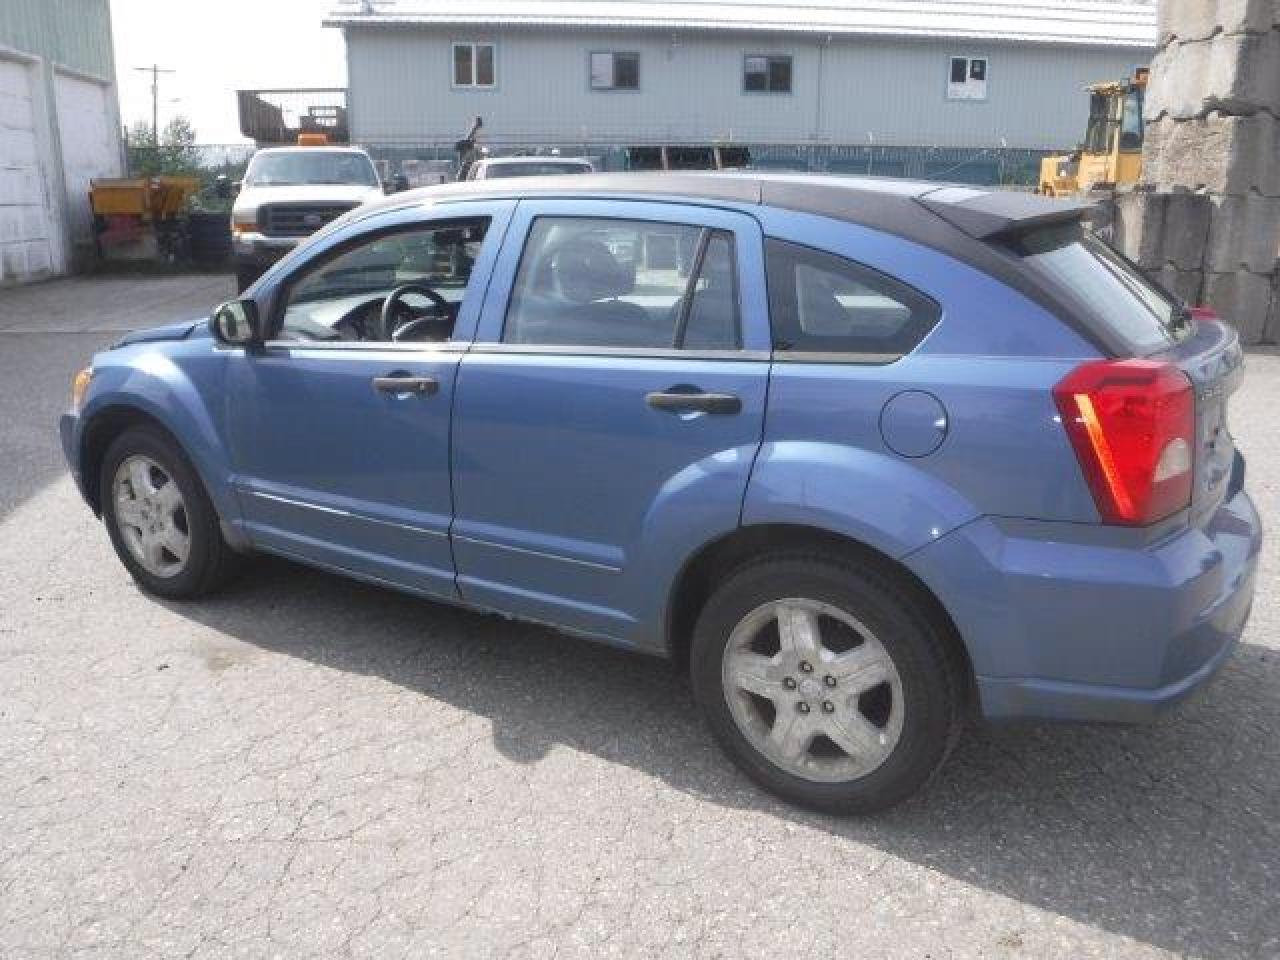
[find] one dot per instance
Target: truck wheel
(160, 520)
(826, 683)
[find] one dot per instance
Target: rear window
(1115, 291)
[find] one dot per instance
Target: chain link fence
(432, 161)
(202, 233)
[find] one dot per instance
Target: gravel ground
(306, 766)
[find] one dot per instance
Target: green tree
(176, 152)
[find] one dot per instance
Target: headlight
(78, 387)
(244, 221)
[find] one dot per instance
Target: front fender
(877, 499)
(175, 391)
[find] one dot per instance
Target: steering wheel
(391, 327)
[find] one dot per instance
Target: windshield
(550, 168)
(307, 167)
(1115, 291)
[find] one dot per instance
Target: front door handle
(690, 401)
(397, 384)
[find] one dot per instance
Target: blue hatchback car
(867, 456)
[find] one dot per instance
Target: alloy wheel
(813, 690)
(151, 516)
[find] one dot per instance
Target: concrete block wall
(1186, 20)
(1235, 73)
(1206, 219)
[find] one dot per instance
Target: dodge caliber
(867, 458)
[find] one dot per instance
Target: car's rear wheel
(160, 519)
(827, 682)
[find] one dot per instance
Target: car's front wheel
(827, 681)
(160, 519)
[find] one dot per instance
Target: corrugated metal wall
(871, 90)
(71, 33)
(59, 128)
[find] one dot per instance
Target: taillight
(1132, 423)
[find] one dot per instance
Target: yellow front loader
(1111, 154)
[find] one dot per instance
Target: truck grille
(298, 219)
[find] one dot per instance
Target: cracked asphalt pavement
(306, 766)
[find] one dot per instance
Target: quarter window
(473, 65)
(766, 74)
(615, 71)
(967, 78)
(822, 303)
(589, 282)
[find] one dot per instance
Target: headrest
(585, 271)
(821, 314)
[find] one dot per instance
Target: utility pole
(155, 70)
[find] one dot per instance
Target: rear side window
(639, 284)
(822, 303)
(1114, 290)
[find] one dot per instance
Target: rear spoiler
(994, 214)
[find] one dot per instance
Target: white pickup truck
(288, 193)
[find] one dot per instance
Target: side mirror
(236, 323)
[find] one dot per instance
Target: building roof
(1110, 23)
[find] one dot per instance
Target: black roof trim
(989, 215)
(699, 186)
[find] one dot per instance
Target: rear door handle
(419, 386)
(681, 401)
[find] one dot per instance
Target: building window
(763, 74)
(473, 65)
(615, 71)
(967, 79)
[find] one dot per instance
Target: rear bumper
(1005, 697)
(1100, 631)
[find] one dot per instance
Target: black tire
(246, 276)
(931, 670)
(210, 561)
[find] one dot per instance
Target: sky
(218, 47)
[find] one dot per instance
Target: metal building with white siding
(941, 73)
(59, 128)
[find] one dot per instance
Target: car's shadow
(1167, 834)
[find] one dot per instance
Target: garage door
(27, 233)
(90, 146)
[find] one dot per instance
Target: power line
(155, 70)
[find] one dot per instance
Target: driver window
(345, 297)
